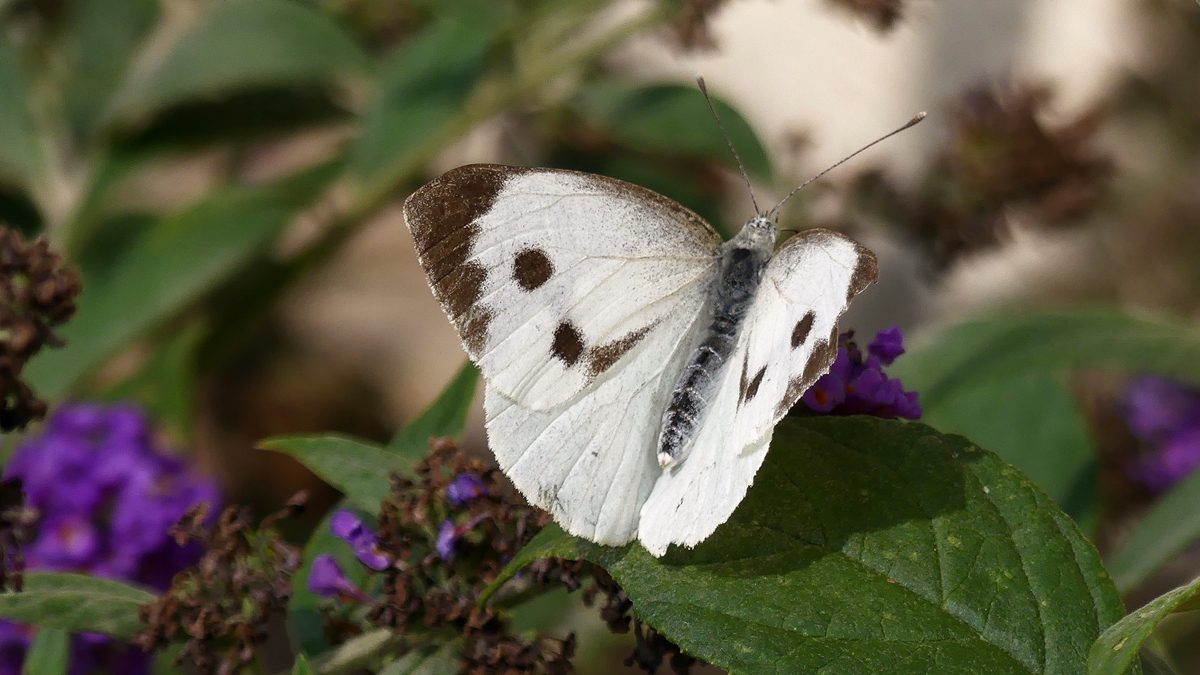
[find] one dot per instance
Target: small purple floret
(447, 538)
(465, 488)
(326, 579)
(888, 344)
(1165, 415)
(349, 528)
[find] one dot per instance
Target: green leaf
(301, 666)
(875, 546)
(1030, 421)
(171, 267)
(104, 35)
(423, 84)
(357, 652)
(166, 383)
(77, 603)
(445, 659)
(445, 417)
(358, 469)
(20, 154)
(305, 621)
(1117, 647)
(671, 119)
(1170, 527)
(49, 654)
(240, 45)
(1048, 342)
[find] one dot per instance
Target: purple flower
(327, 580)
(106, 495)
(464, 488)
(1165, 415)
(1155, 408)
(447, 538)
(888, 344)
(858, 386)
(347, 527)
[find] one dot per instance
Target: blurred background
(227, 176)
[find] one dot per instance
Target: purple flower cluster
(856, 385)
(326, 577)
(1165, 415)
(106, 497)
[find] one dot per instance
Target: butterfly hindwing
(552, 276)
(787, 340)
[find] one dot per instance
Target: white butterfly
(635, 366)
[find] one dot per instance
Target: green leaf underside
(358, 469)
(1166, 531)
(1118, 646)
(77, 603)
(422, 85)
(1005, 346)
(873, 546)
(446, 416)
(672, 119)
(20, 156)
(238, 45)
(49, 653)
(172, 266)
(1030, 421)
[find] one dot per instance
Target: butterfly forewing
(552, 276)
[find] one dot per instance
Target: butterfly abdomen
(742, 263)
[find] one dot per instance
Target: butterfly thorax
(741, 262)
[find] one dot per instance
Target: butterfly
(634, 365)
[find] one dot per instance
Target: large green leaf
(1031, 421)
(49, 653)
(77, 603)
(446, 416)
(1166, 531)
(1117, 647)
(20, 154)
(360, 470)
(671, 119)
(421, 86)
(1005, 346)
(242, 44)
(874, 546)
(105, 35)
(172, 266)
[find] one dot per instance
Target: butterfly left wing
(787, 340)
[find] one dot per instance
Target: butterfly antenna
(741, 167)
(911, 123)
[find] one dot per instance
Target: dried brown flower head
(691, 29)
(448, 547)
(16, 523)
(222, 605)
(36, 294)
(882, 14)
(1001, 156)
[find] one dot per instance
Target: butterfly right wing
(552, 276)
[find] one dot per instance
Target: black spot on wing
(532, 268)
(802, 329)
(568, 343)
(823, 354)
(755, 383)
